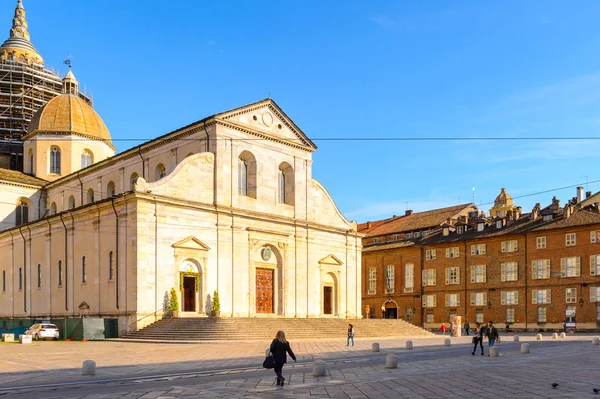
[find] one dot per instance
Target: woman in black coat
(278, 349)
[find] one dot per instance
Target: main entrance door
(189, 294)
(327, 297)
(264, 290)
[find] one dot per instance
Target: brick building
(527, 270)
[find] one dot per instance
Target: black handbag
(269, 362)
(474, 340)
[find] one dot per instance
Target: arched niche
(191, 256)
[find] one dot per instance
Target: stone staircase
(224, 329)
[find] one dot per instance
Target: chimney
(535, 211)
(408, 212)
(579, 194)
(568, 210)
(588, 194)
(518, 212)
(368, 225)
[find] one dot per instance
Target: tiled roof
(580, 217)
(365, 227)
(392, 245)
(417, 221)
(20, 177)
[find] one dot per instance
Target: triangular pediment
(265, 118)
(191, 243)
(331, 260)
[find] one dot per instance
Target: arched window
(160, 172)
(132, 181)
(30, 159)
(55, 160)
(83, 271)
(53, 208)
(90, 196)
(110, 190)
(22, 213)
(247, 174)
(71, 202)
(39, 275)
(86, 158)
(285, 186)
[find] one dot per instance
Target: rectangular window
(478, 274)
(395, 237)
(429, 277)
(509, 298)
(509, 271)
(408, 235)
(570, 239)
(452, 275)
(417, 234)
(83, 271)
(20, 278)
(372, 280)
(540, 269)
(409, 277)
(510, 315)
(541, 296)
(459, 229)
(499, 224)
(478, 249)
(571, 295)
(60, 273)
(570, 267)
(39, 276)
(540, 242)
(510, 246)
(3, 280)
(429, 316)
(595, 265)
(242, 177)
(479, 316)
(479, 299)
(430, 254)
(429, 301)
(548, 218)
(111, 267)
(452, 300)
(541, 315)
(595, 237)
(594, 294)
(390, 277)
(480, 227)
(453, 252)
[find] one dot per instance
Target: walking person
(443, 328)
(467, 328)
(279, 349)
(477, 338)
(350, 335)
(492, 333)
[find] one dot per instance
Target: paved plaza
(233, 370)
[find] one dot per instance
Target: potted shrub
(216, 305)
(173, 303)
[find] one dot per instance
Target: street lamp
(581, 303)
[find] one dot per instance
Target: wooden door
(264, 290)
(327, 297)
(189, 294)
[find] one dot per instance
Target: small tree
(216, 304)
(173, 302)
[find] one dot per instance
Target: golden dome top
(18, 46)
(69, 114)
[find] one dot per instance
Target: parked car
(43, 331)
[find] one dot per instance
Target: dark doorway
(327, 297)
(391, 313)
(189, 294)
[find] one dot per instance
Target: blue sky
(356, 69)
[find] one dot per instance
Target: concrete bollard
(25, 339)
(375, 347)
(494, 351)
(409, 345)
(319, 368)
(563, 335)
(524, 348)
(447, 342)
(595, 341)
(8, 337)
(538, 337)
(555, 336)
(89, 368)
(391, 361)
(516, 338)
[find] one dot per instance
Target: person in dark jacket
(492, 333)
(478, 338)
(279, 349)
(467, 328)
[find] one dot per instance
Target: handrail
(142, 318)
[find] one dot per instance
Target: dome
(503, 199)
(69, 114)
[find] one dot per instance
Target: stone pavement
(233, 370)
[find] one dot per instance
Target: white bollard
(494, 352)
(409, 345)
(25, 339)
(524, 348)
(516, 338)
(8, 337)
(319, 368)
(595, 341)
(563, 335)
(555, 336)
(375, 347)
(89, 368)
(538, 337)
(391, 361)
(447, 342)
